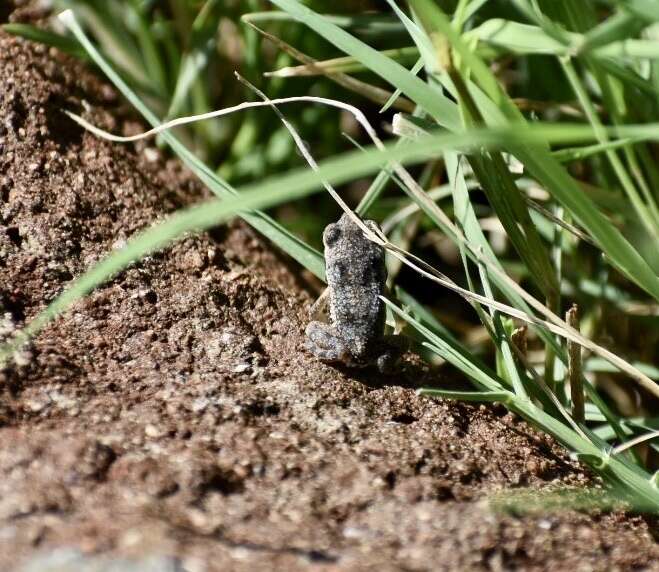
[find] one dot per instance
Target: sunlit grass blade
(502, 341)
(598, 365)
(440, 107)
(518, 38)
(363, 24)
(617, 27)
(367, 90)
(435, 21)
(581, 153)
(646, 9)
(421, 39)
(416, 68)
(343, 64)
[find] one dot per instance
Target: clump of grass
(582, 145)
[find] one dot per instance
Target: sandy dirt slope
(174, 416)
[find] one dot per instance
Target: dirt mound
(174, 415)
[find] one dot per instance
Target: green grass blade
(152, 60)
(618, 250)
(428, 319)
(646, 9)
(581, 153)
(418, 66)
(517, 38)
(478, 396)
(363, 24)
(595, 364)
(434, 20)
(616, 28)
(346, 64)
(421, 39)
(201, 47)
(110, 31)
(502, 341)
(34, 34)
(440, 107)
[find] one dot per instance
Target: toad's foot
(325, 343)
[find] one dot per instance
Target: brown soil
(173, 412)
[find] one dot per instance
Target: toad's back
(356, 276)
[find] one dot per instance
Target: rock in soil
(173, 416)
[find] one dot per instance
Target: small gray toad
(356, 277)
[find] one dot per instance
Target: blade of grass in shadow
(426, 317)
(581, 153)
(202, 45)
(102, 17)
(478, 396)
(152, 60)
(455, 354)
(34, 34)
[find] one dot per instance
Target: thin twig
(574, 370)
(633, 442)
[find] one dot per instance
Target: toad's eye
(331, 235)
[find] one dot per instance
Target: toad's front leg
(325, 343)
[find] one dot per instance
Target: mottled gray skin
(356, 277)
